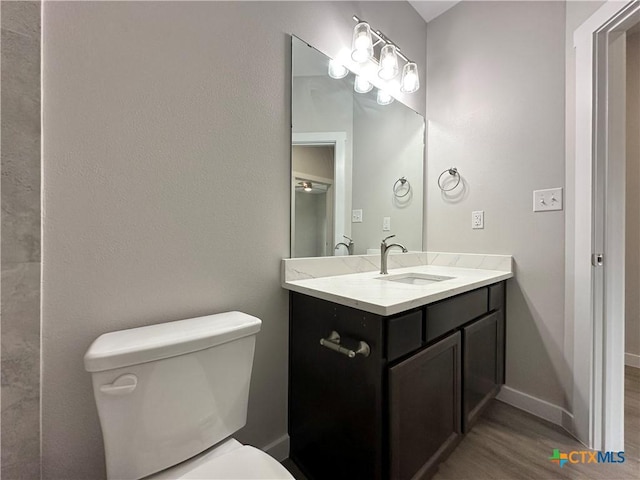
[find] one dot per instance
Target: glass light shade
(388, 62)
(337, 70)
(362, 85)
(362, 46)
(410, 80)
(384, 98)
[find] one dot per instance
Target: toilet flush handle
(121, 386)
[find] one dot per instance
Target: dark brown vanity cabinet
(396, 411)
(336, 403)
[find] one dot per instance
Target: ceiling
(430, 9)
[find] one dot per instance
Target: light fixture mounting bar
(381, 37)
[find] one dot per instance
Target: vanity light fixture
(384, 98)
(388, 62)
(410, 80)
(363, 49)
(337, 70)
(362, 45)
(362, 85)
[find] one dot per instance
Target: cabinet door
(424, 409)
(480, 372)
(335, 402)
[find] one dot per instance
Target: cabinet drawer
(496, 296)
(404, 335)
(449, 314)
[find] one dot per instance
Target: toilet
(170, 396)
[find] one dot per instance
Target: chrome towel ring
(397, 188)
(453, 171)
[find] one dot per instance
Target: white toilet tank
(167, 392)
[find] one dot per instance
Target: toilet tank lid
(155, 342)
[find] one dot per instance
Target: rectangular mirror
(356, 165)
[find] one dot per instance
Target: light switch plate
(356, 216)
(386, 224)
(547, 200)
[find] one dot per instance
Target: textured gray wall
(157, 117)
(495, 103)
(20, 361)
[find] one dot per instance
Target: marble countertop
(367, 291)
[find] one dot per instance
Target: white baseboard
(568, 423)
(632, 360)
(279, 448)
(538, 407)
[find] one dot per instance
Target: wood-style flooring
(509, 444)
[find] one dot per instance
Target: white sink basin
(414, 278)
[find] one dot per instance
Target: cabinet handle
(332, 342)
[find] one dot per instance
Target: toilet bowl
(170, 396)
(229, 461)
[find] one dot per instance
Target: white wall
(156, 118)
(495, 110)
(632, 250)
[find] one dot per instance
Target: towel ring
(402, 181)
(453, 171)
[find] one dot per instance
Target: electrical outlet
(477, 219)
(386, 224)
(547, 200)
(356, 216)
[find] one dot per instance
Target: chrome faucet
(349, 246)
(384, 251)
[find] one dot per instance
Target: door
(424, 409)
(480, 370)
(597, 310)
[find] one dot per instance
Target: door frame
(597, 312)
(296, 178)
(339, 140)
